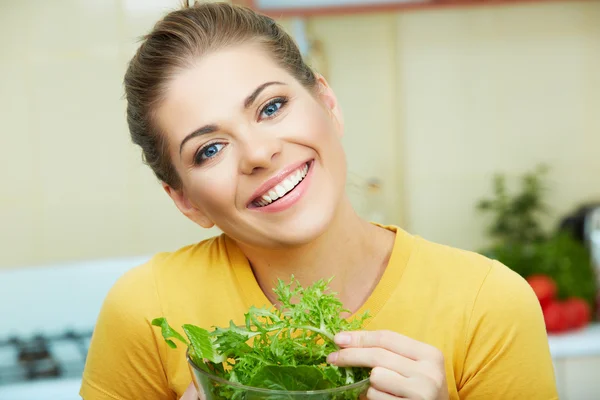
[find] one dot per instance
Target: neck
(352, 250)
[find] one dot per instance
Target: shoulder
(144, 280)
(132, 296)
(209, 248)
(205, 254)
(505, 337)
(455, 269)
(506, 296)
(123, 360)
(487, 286)
(127, 357)
(455, 260)
(137, 297)
(139, 290)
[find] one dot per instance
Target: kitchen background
(437, 100)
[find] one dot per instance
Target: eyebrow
(212, 128)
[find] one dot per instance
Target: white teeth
(282, 188)
(288, 184)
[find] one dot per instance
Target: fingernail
(332, 358)
(342, 338)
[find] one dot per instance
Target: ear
(187, 208)
(328, 98)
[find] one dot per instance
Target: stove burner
(36, 357)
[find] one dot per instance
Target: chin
(291, 231)
(306, 224)
(298, 233)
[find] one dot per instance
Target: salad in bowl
(278, 353)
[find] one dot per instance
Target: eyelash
(198, 156)
(282, 100)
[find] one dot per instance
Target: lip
(275, 180)
(292, 197)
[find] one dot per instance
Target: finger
(190, 393)
(374, 394)
(417, 387)
(371, 358)
(390, 382)
(388, 340)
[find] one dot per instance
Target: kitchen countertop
(60, 389)
(582, 343)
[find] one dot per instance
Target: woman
(243, 135)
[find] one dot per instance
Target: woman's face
(258, 154)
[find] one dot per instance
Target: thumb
(190, 393)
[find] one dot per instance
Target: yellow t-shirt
(480, 314)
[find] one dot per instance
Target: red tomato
(544, 288)
(578, 312)
(556, 317)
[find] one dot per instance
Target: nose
(258, 152)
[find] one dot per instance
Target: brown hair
(173, 44)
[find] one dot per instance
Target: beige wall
(497, 89)
(73, 185)
(362, 70)
(434, 102)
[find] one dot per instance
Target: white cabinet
(578, 378)
(577, 364)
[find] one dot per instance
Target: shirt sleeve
(124, 359)
(507, 352)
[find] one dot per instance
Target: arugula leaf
(276, 377)
(169, 332)
(202, 344)
(283, 347)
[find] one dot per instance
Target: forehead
(213, 89)
(217, 83)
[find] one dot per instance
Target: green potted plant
(557, 266)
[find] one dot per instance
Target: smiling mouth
(284, 187)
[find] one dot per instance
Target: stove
(47, 314)
(43, 366)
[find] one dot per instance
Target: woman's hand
(190, 393)
(401, 367)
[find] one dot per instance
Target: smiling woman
(271, 128)
(244, 135)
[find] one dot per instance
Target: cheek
(314, 125)
(212, 190)
(324, 133)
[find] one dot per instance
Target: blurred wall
(434, 101)
(496, 89)
(74, 187)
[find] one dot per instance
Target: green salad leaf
(169, 332)
(281, 348)
(283, 377)
(201, 342)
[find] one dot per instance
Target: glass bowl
(209, 386)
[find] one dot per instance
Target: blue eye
(209, 152)
(273, 108)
